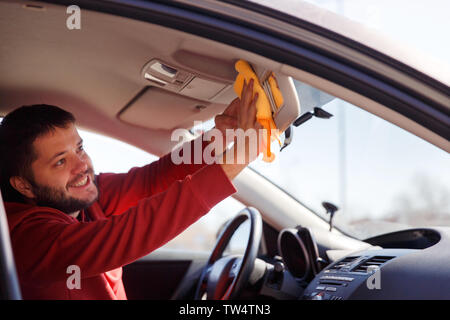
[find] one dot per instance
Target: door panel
(9, 283)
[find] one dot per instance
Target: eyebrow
(63, 152)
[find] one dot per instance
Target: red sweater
(136, 213)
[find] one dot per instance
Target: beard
(57, 198)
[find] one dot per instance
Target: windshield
(381, 177)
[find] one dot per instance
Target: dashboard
(408, 264)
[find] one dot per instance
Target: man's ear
(22, 185)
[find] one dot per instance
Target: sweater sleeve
(45, 243)
(118, 192)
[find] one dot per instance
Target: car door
(164, 274)
(9, 284)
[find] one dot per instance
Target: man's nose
(80, 165)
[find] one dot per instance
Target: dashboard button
(348, 279)
(320, 288)
(337, 278)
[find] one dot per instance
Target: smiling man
(61, 215)
(61, 175)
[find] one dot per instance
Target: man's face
(63, 173)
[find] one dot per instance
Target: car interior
(136, 78)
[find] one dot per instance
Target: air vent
(346, 262)
(377, 261)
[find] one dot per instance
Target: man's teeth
(81, 183)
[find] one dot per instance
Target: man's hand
(228, 120)
(240, 114)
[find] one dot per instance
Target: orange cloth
(264, 111)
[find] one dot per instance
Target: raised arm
(118, 192)
(47, 242)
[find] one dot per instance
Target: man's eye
(60, 162)
(80, 148)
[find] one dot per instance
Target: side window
(107, 154)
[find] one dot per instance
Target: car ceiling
(96, 72)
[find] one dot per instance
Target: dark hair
(18, 130)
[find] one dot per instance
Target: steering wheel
(223, 278)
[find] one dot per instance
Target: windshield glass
(381, 177)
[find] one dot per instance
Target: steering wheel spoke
(235, 268)
(223, 278)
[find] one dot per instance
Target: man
(62, 216)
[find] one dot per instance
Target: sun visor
(175, 97)
(311, 97)
(291, 108)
